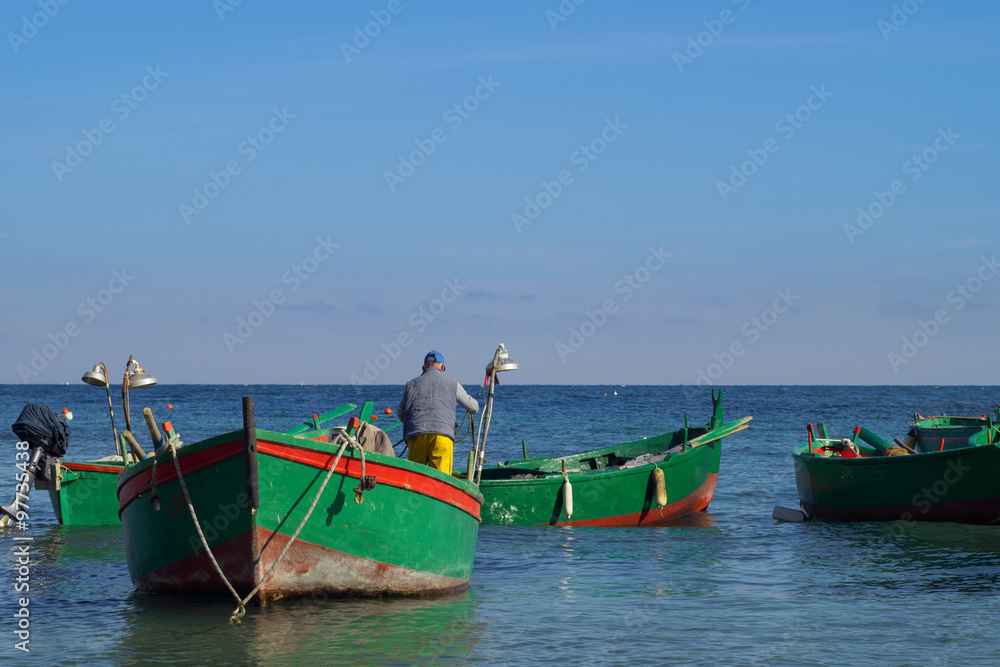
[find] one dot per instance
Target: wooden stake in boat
(154, 432)
(250, 451)
(133, 445)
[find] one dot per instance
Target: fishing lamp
(133, 379)
(502, 361)
(99, 378)
(139, 378)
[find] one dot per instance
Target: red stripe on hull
(694, 502)
(90, 467)
(167, 472)
(307, 569)
(384, 474)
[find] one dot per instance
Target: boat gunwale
(556, 477)
(307, 444)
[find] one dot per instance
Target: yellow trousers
(431, 449)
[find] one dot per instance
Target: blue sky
(638, 192)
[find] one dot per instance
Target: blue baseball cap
(434, 356)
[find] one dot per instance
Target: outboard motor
(47, 438)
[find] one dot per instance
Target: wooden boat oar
(716, 434)
(905, 446)
(326, 416)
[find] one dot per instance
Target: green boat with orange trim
(648, 482)
(381, 526)
(871, 480)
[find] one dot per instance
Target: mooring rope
(240, 610)
(197, 525)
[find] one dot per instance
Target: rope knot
(366, 483)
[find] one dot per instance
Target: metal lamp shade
(503, 361)
(95, 377)
(140, 379)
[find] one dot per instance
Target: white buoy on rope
(567, 492)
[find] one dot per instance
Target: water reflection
(301, 632)
(885, 557)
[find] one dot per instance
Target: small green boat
(871, 480)
(643, 483)
(83, 494)
(935, 434)
(381, 526)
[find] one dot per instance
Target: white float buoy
(661, 488)
(567, 493)
(780, 513)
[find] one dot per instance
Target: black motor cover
(39, 427)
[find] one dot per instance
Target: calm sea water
(732, 587)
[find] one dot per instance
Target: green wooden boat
(382, 526)
(643, 483)
(83, 494)
(935, 434)
(847, 480)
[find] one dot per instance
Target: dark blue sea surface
(728, 586)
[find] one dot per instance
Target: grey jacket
(428, 404)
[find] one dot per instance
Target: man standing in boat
(427, 411)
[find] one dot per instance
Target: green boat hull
(959, 485)
(415, 532)
(83, 494)
(531, 491)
